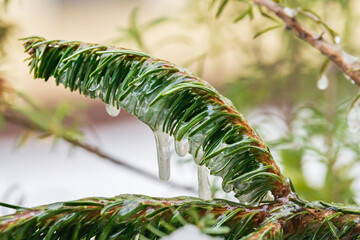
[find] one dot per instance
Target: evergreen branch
(131, 216)
(26, 123)
(168, 99)
(348, 64)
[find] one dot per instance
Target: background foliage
(281, 75)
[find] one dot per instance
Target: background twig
(21, 121)
(347, 63)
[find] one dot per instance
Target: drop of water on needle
(323, 82)
(112, 110)
(290, 11)
(337, 40)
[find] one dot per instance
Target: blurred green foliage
(5, 27)
(135, 31)
(313, 137)
(288, 83)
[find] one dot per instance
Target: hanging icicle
(203, 183)
(112, 110)
(182, 147)
(163, 154)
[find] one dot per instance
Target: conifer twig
(152, 89)
(348, 64)
(126, 216)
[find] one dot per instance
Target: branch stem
(348, 64)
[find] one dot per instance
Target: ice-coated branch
(137, 216)
(174, 104)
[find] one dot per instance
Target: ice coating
(172, 102)
(182, 147)
(163, 154)
(112, 110)
(203, 183)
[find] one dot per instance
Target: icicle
(112, 110)
(323, 82)
(198, 156)
(353, 117)
(163, 154)
(182, 147)
(203, 181)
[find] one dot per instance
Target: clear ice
(203, 181)
(112, 110)
(163, 154)
(182, 147)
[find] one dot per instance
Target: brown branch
(23, 122)
(342, 59)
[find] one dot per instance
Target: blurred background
(298, 101)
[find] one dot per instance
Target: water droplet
(163, 154)
(348, 78)
(290, 12)
(112, 110)
(353, 117)
(182, 147)
(203, 181)
(337, 39)
(323, 82)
